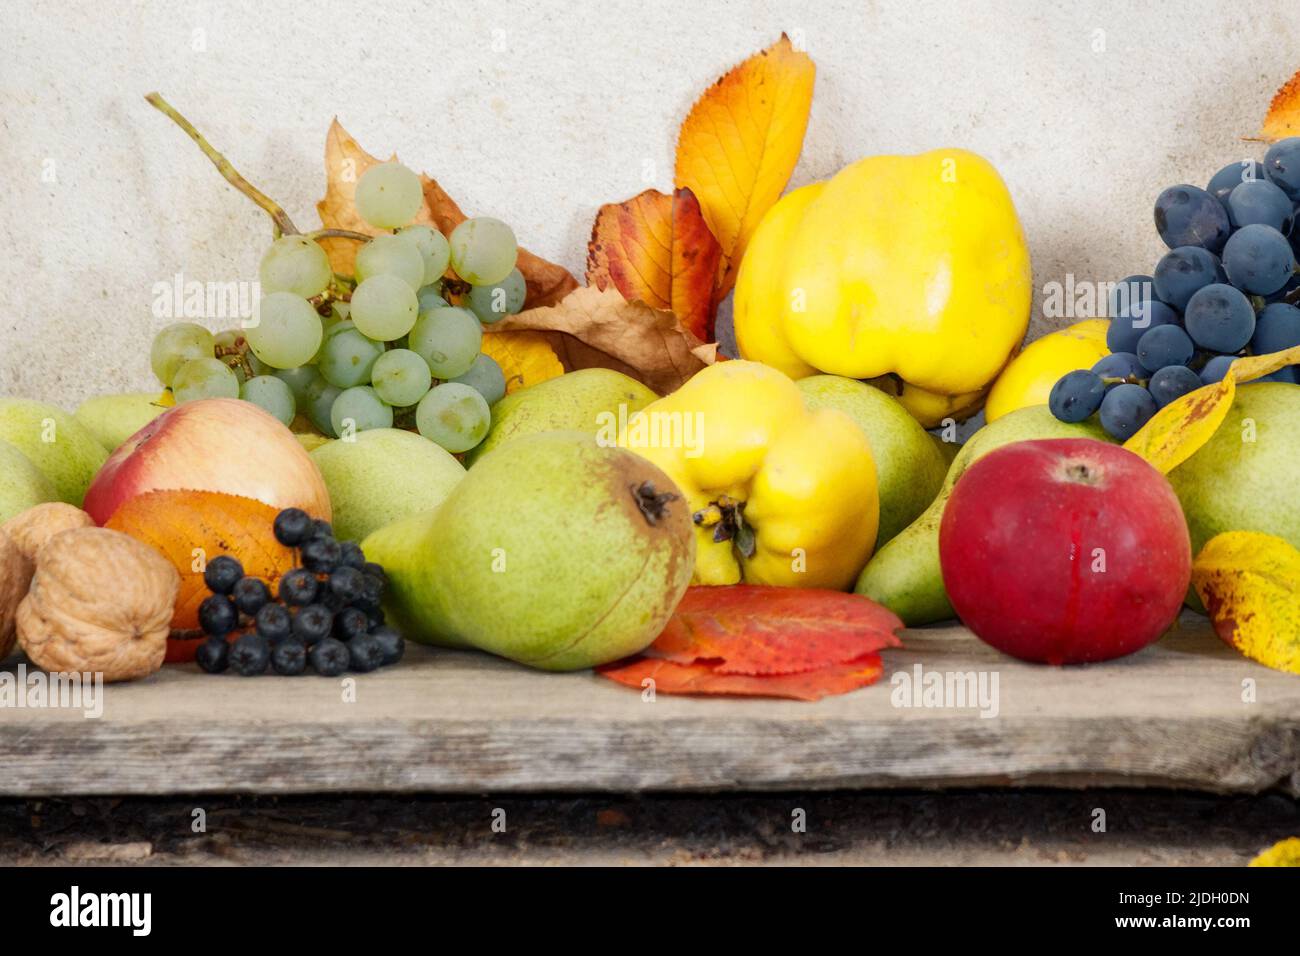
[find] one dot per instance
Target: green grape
(483, 250)
(288, 331)
(347, 358)
(430, 297)
(295, 264)
(485, 376)
(320, 399)
(204, 378)
(401, 377)
(391, 255)
(357, 410)
(177, 344)
(454, 416)
(300, 381)
(434, 250)
(492, 303)
(388, 195)
(270, 394)
(448, 339)
(384, 308)
(340, 311)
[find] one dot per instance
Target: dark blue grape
(1184, 271)
(1120, 365)
(1173, 382)
(1127, 327)
(1076, 395)
(1290, 375)
(1129, 290)
(1258, 260)
(1292, 284)
(1282, 166)
(1261, 203)
(1189, 216)
(1233, 175)
(1164, 345)
(1276, 328)
(1125, 409)
(1215, 369)
(1220, 318)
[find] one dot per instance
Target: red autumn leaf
(673, 678)
(748, 640)
(657, 249)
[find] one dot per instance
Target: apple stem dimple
(653, 506)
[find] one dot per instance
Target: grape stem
(283, 224)
(338, 234)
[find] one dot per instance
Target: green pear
(555, 551)
(112, 419)
(383, 475)
(1244, 477)
(580, 401)
(904, 575)
(909, 465)
(60, 447)
(22, 485)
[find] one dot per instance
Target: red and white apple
(216, 444)
(1065, 551)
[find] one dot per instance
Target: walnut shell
(15, 576)
(100, 602)
(33, 527)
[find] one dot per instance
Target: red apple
(216, 444)
(1065, 551)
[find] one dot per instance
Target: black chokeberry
(322, 529)
(376, 571)
(365, 653)
(351, 555)
(346, 583)
(390, 642)
(329, 657)
(372, 590)
(250, 595)
(321, 555)
(350, 622)
(298, 587)
(312, 623)
(274, 622)
(375, 617)
(289, 658)
(222, 574)
(213, 655)
(250, 654)
(217, 615)
(293, 526)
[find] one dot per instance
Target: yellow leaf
(1257, 366)
(525, 357)
(1249, 583)
(740, 142)
(1178, 430)
(1283, 117)
(1283, 853)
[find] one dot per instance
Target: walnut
(100, 602)
(15, 575)
(33, 527)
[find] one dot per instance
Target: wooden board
(1173, 715)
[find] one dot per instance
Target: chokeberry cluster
(326, 613)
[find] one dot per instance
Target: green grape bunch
(396, 344)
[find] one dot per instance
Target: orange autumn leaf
(751, 640)
(192, 527)
(658, 249)
(740, 142)
(1283, 117)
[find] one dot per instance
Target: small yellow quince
(1029, 377)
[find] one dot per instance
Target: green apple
(588, 400)
(382, 475)
(22, 485)
(909, 466)
(904, 575)
(61, 448)
(555, 551)
(112, 419)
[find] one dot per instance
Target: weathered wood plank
(1172, 716)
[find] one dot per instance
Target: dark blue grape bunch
(1229, 286)
(325, 614)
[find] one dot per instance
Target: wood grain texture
(1171, 716)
